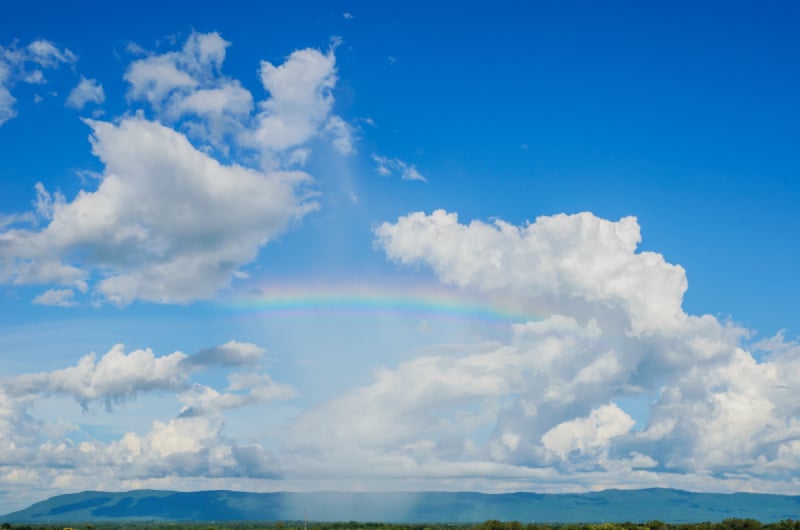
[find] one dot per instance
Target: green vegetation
(727, 524)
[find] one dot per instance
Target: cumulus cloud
(188, 85)
(558, 258)
(588, 434)
(735, 416)
(299, 106)
(192, 444)
(118, 376)
(167, 222)
(550, 397)
(188, 88)
(87, 91)
(114, 378)
(156, 77)
(439, 408)
(386, 167)
(548, 405)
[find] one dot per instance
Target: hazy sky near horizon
(375, 246)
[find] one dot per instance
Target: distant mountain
(611, 505)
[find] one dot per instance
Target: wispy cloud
(385, 167)
(56, 297)
(25, 64)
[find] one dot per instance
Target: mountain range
(668, 505)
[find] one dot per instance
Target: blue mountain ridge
(668, 505)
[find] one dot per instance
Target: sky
(541, 246)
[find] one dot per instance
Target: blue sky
(371, 246)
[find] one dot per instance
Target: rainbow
(422, 302)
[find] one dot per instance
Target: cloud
(588, 434)
(118, 377)
(192, 444)
(487, 408)
(115, 378)
(47, 55)
(167, 223)
(736, 416)
(24, 65)
(87, 91)
(56, 297)
(158, 77)
(243, 390)
(7, 101)
(342, 134)
(35, 77)
(187, 88)
(617, 334)
(557, 259)
(232, 353)
(388, 166)
(549, 404)
(187, 446)
(299, 104)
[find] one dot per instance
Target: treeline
(727, 524)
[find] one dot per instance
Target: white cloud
(187, 88)
(115, 378)
(118, 377)
(134, 49)
(35, 77)
(46, 54)
(556, 259)
(441, 407)
(156, 77)
(624, 335)
(298, 157)
(7, 101)
(181, 435)
(56, 297)
(588, 434)
(15, 66)
(342, 134)
(167, 223)
(736, 416)
(243, 390)
(299, 104)
(87, 91)
(192, 444)
(388, 166)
